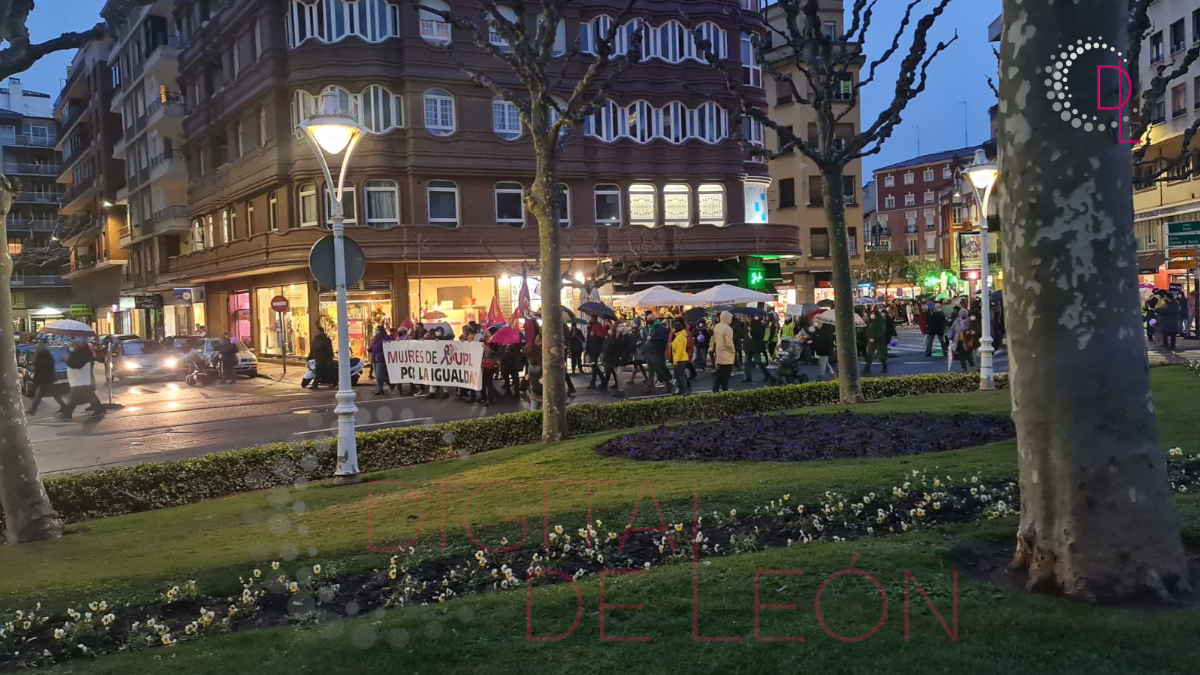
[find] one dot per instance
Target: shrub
(155, 485)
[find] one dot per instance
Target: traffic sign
(1183, 252)
(1181, 265)
(321, 262)
(1189, 239)
(1183, 228)
(279, 304)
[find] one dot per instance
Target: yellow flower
(317, 570)
(293, 587)
(275, 565)
(59, 633)
(558, 529)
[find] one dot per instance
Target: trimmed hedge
(156, 485)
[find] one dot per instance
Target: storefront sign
(188, 296)
(436, 363)
(1181, 265)
(125, 303)
(80, 311)
(148, 302)
(279, 304)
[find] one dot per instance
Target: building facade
(797, 194)
(434, 191)
(1164, 197)
(93, 224)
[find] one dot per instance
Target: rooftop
(933, 158)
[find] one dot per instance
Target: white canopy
(656, 296)
(830, 317)
(68, 327)
(724, 294)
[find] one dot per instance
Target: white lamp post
(982, 175)
(333, 131)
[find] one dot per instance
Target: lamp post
(333, 131)
(982, 175)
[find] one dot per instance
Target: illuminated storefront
(454, 300)
(294, 331)
(366, 310)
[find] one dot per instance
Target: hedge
(156, 485)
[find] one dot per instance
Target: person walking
(656, 354)
(701, 340)
(378, 361)
(1169, 322)
(597, 332)
(533, 361)
(724, 352)
(82, 381)
(772, 335)
(823, 343)
(935, 329)
(877, 340)
(229, 358)
(739, 340)
(612, 354)
(322, 353)
(756, 350)
(966, 340)
(575, 345)
(679, 356)
(45, 379)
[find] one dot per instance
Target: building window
(677, 205)
(910, 199)
(1178, 37)
(1158, 113)
(845, 90)
(852, 240)
(198, 235)
(912, 246)
(562, 204)
(262, 126)
(889, 201)
(829, 30)
(257, 37)
(819, 242)
(929, 196)
(494, 36)
(439, 112)
(608, 205)
(241, 139)
(849, 195)
(510, 204)
(751, 68)
(442, 198)
(382, 202)
(787, 193)
(752, 131)
(816, 191)
(889, 181)
(930, 219)
(947, 173)
(1196, 92)
(1195, 26)
(434, 28)
(381, 109)
(211, 232)
(249, 220)
(1156, 47)
(909, 178)
(334, 20)
(711, 199)
(506, 120)
(1179, 100)
(928, 175)
(349, 205)
(639, 122)
(273, 213)
(642, 205)
(910, 218)
(308, 205)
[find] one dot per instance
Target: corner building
(434, 190)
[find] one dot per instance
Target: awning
(1150, 261)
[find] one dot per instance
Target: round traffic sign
(321, 262)
(279, 304)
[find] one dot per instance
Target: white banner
(437, 363)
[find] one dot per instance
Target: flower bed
(789, 438)
(307, 594)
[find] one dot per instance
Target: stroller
(202, 370)
(788, 367)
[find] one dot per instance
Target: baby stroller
(202, 370)
(788, 367)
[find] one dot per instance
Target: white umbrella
(724, 294)
(830, 317)
(68, 327)
(655, 296)
(865, 302)
(803, 309)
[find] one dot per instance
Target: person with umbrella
(597, 332)
(44, 379)
(83, 387)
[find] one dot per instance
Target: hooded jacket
(722, 342)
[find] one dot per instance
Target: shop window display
(295, 333)
(365, 310)
(453, 300)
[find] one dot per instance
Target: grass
(131, 558)
(1000, 630)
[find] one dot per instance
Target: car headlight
(131, 365)
(171, 362)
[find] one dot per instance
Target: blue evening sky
(931, 123)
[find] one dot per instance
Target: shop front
(366, 310)
(281, 333)
(460, 300)
(187, 315)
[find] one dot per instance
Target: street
(170, 420)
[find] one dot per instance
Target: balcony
(168, 164)
(27, 140)
(753, 5)
(166, 53)
(54, 198)
(32, 169)
(87, 263)
(171, 109)
(38, 280)
(31, 224)
(75, 195)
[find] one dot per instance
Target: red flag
(523, 301)
(493, 316)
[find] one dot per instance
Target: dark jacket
(757, 335)
(80, 357)
(935, 322)
(822, 340)
(43, 367)
(659, 336)
(1169, 317)
(322, 349)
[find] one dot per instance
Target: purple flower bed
(791, 438)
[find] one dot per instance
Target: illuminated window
(711, 198)
(677, 205)
(643, 205)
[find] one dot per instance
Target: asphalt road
(170, 420)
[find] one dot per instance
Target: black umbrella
(826, 303)
(597, 309)
(744, 311)
(695, 314)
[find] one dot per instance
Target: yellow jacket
(679, 347)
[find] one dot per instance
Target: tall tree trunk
(847, 346)
(554, 372)
(28, 514)
(1097, 518)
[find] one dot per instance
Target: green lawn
(1000, 631)
(131, 558)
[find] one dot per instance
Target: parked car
(247, 364)
(25, 354)
(140, 359)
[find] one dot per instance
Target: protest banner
(436, 363)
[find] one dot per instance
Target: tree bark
(847, 346)
(1097, 518)
(541, 204)
(28, 514)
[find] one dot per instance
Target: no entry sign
(279, 304)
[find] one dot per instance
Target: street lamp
(982, 175)
(333, 131)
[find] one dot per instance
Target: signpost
(1179, 236)
(1183, 234)
(280, 306)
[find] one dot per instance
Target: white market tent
(656, 296)
(724, 294)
